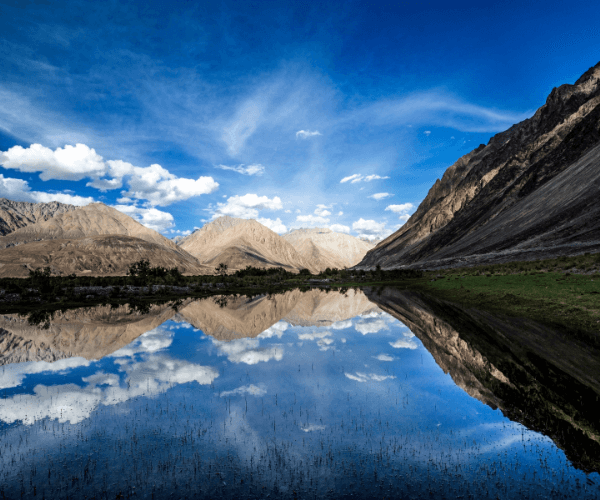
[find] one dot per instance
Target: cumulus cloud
(384, 357)
(313, 220)
(380, 196)
(322, 210)
(149, 217)
(339, 228)
(427, 133)
(250, 390)
(367, 377)
(305, 134)
(341, 325)
(314, 335)
(248, 351)
(247, 206)
(12, 375)
(275, 330)
(256, 169)
(19, 190)
(274, 225)
(154, 184)
(402, 210)
(369, 229)
(404, 344)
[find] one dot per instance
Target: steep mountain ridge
(507, 179)
(17, 214)
(325, 248)
(239, 243)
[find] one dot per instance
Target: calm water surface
(310, 395)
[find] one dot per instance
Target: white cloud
(153, 184)
(369, 229)
(340, 213)
(404, 344)
(149, 217)
(373, 326)
(251, 390)
(353, 178)
(247, 206)
(380, 196)
(312, 219)
(397, 209)
(427, 133)
(152, 341)
(314, 335)
(71, 163)
(256, 169)
(384, 357)
(19, 190)
(12, 375)
(367, 377)
(360, 178)
(274, 225)
(370, 178)
(339, 228)
(304, 134)
(322, 210)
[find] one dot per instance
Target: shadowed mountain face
(547, 379)
(531, 192)
(17, 214)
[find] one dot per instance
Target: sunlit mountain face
(311, 394)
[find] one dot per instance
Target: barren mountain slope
(92, 220)
(239, 243)
(325, 248)
(480, 188)
(95, 256)
(17, 214)
(91, 333)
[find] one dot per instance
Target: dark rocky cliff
(531, 192)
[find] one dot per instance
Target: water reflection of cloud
(314, 335)
(374, 326)
(341, 325)
(251, 390)
(368, 377)
(312, 427)
(13, 375)
(151, 341)
(404, 344)
(384, 357)
(73, 403)
(275, 330)
(248, 351)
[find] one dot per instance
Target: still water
(298, 395)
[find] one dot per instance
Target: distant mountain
(325, 248)
(531, 192)
(18, 214)
(95, 239)
(92, 220)
(240, 243)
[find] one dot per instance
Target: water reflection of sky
(357, 407)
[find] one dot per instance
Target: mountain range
(532, 192)
(100, 240)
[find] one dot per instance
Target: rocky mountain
(325, 248)
(546, 378)
(92, 220)
(90, 333)
(531, 192)
(240, 243)
(18, 214)
(94, 256)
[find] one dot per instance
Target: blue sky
(178, 112)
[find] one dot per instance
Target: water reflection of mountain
(228, 318)
(548, 379)
(90, 333)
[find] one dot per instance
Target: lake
(315, 394)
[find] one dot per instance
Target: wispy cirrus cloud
(380, 196)
(305, 134)
(257, 169)
(353, 179)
